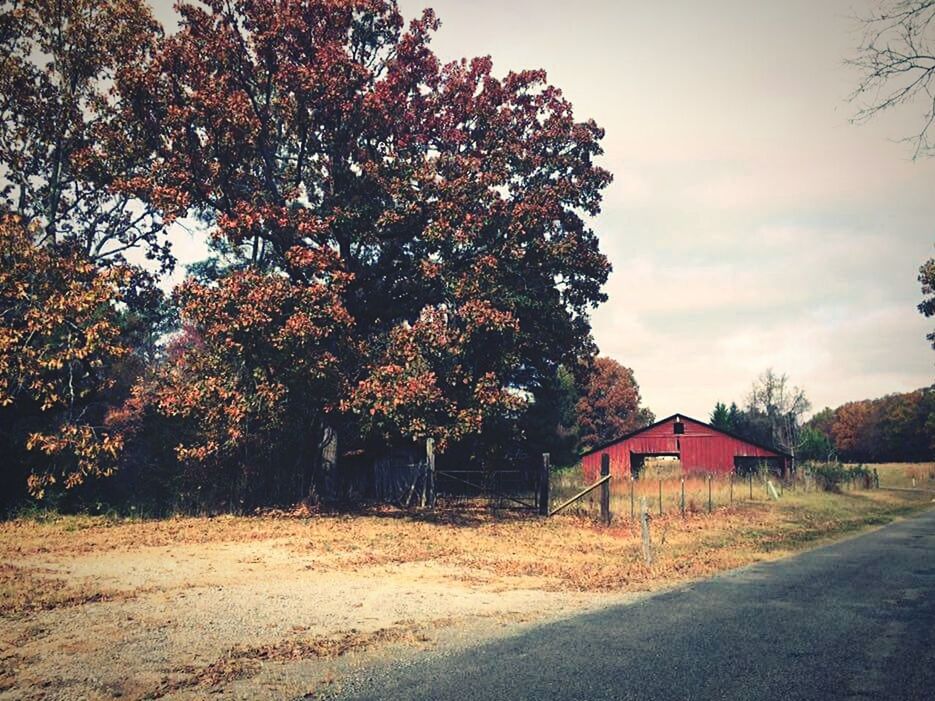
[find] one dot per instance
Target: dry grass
(664, 494)
(502, 549)
(901, 475)
(245, 583)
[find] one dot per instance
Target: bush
(830, 476)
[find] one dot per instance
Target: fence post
(430, 468)
(632, 513)
(751, 486)
(710, 503)
(682, 501)
(644, 527)
(544, 486)
(730, 479)
(876, 477)
(605, 489)
(660, 497)
(781, 490)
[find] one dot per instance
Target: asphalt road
(853, 620)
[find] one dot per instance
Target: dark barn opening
(744, 465)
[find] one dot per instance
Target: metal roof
(638, 431)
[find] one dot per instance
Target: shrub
(831, 475)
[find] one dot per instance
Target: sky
(750, 224)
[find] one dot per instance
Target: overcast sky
(749, 223)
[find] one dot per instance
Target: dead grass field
(281, 607)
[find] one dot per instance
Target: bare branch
(897, 60)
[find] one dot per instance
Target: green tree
(551, 421)
(815, 444)
(720, 417)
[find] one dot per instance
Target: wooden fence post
(682, 501)
(429, 485)
(544, 486)
(660, 497)
(605, 489)
(710, 503)
(751, 486)
(730, 478)
(644, 527)
(632, 512)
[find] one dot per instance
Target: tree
(454, 200)
(815, 444)
(897, 60)
(68, 150)
(610, 405)
(927, 280)
(550, 423)
(427, 383)
(60, 333)
(781, 406)
(897, 427)
(720, 417)
(255, 375)
(852, 430)
(817, 437)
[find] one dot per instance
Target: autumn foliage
(897, 427)
(68, 142)
(403, 246)
(60, 332)
(610, 405)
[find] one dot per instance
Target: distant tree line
(894, 428)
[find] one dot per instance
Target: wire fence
(685, 495)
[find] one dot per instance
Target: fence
(409, 482)
(501, 488)
(408, 479)
(679, 495)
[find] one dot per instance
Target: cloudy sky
(750, 224)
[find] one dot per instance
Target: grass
(469, 551)
(663, 492)
(900, 475)
(664, 495)
(476, 545)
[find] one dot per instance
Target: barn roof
(638, 431)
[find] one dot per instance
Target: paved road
(853, 620)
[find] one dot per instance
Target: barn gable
(700, 447)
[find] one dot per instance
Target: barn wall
(701, 448)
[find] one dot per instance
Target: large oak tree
(452, 201)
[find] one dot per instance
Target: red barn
(699, 446)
